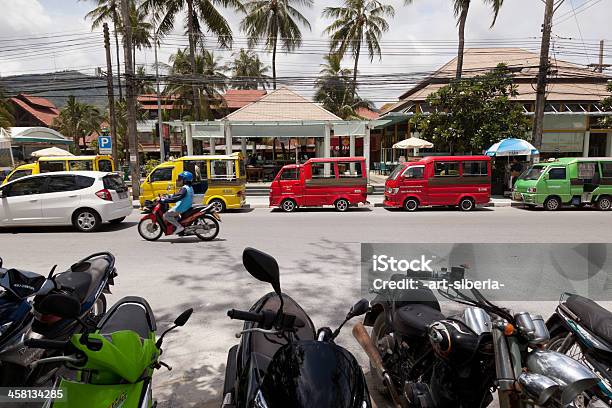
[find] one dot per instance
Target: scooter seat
(412, 320)
(84, 278)
(192, 210)
(594, 317)
(130, 313)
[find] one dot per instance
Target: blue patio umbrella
(512, 147)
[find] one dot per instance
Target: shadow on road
(66, 228)
(322, 210)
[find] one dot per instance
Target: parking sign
(105, 145)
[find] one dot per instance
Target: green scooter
(114, 363)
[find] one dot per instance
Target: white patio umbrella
(413, 143)
(51, 151)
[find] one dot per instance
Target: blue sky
(415, 26)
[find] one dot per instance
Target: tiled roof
(282, 105)
(237, 98)
(367, 113)
(524, 64)
(42, 109)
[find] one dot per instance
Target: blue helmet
(186, 176)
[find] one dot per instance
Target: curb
(380, 205)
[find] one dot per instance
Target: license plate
(123, 194)
(217, 216)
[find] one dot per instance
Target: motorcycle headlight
(260, 401)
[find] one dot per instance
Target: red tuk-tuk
(462, 181)
(338, 181)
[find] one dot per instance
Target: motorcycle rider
(183, 200)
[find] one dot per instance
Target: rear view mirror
(360, 308)
(62, 305)
(262, 267)
(183, 317)
(546, 176)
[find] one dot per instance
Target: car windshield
(114, 182)
(396, 172)
(532, 173)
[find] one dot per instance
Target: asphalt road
(318, 252)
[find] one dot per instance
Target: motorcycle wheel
(149, 229)
(379, 331)
(574, 351)
(211, 228)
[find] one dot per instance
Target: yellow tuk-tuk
(62, 163)
(226, 176)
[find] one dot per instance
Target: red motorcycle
(201, 221)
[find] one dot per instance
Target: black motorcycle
(582, 329)
(424, 359)
(280, 361)
(25, 294)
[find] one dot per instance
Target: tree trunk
(274, 58)
(462, 20)
(357, 52)
(118, 58)
(192, 60)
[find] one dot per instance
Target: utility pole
(130, 100)
(111, 95)
(542, 75)
(160, 123)
(600, 67)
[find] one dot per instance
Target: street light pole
(111, 95)
(160, 123)
(130, 100)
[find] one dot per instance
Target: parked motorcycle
(582, 329)
(280, 361)
(22, 314)
(114, 362)
(201, 221)
(423, 358)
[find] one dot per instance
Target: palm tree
(78, 120)
(6, 112)
(332, 87)
(208, 66)
(141, 30)
(248, 72)
(461, 8)
(356, 22)
(201, 15)
(107, 10)
(273, 20)
(143, 84)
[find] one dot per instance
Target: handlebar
(247, 316)
(46, 344)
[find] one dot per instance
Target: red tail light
(239, 193)
(105, 195)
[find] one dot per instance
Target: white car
(85, 199)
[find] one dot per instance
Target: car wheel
(552, 204)
(411, 204)
(341, 205)
(86, 220)
(218, 205)
(466, 204)
(604, 203)
(117, 220)
(288, 205)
